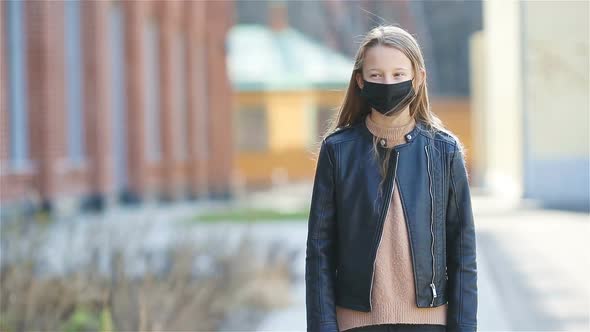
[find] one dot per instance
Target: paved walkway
(533, 271)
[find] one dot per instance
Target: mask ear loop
(358, 90)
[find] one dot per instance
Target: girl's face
(386, 65)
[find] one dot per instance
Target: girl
(391, 237)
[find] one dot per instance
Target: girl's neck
(401, 119)
(389, 135)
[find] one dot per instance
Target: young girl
(391, 237)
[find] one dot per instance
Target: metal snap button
(409, 136)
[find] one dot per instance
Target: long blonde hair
(354, 107)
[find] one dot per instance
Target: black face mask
(388, 99)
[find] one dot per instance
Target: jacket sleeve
(320, 267)
(461, 250)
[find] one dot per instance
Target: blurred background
(157, 157)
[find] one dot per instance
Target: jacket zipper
(383, 213)
(432, 285)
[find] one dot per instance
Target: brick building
(114, 100)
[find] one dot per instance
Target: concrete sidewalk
(538, 264)
(533, 269)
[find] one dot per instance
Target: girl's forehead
(381, 57)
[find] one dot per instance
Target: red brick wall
(198, 137)
(220, 154)
(96, 96)
(134, 12)
(208, 165)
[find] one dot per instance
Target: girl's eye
(395, 75)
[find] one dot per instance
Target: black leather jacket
(346, 220)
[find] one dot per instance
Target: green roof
(261, 59)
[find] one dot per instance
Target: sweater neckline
(389, 136)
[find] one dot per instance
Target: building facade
(287, 88)
(531, 108)
(114, 100)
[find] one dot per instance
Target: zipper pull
(433, 290)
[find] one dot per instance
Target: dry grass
(178, 298)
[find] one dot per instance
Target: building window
(199, 66)
(75, 120)
(17, 86)
(181, 101)
(152, 116)
(118, 100)
(252, 129)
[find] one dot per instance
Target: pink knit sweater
(393, 296)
